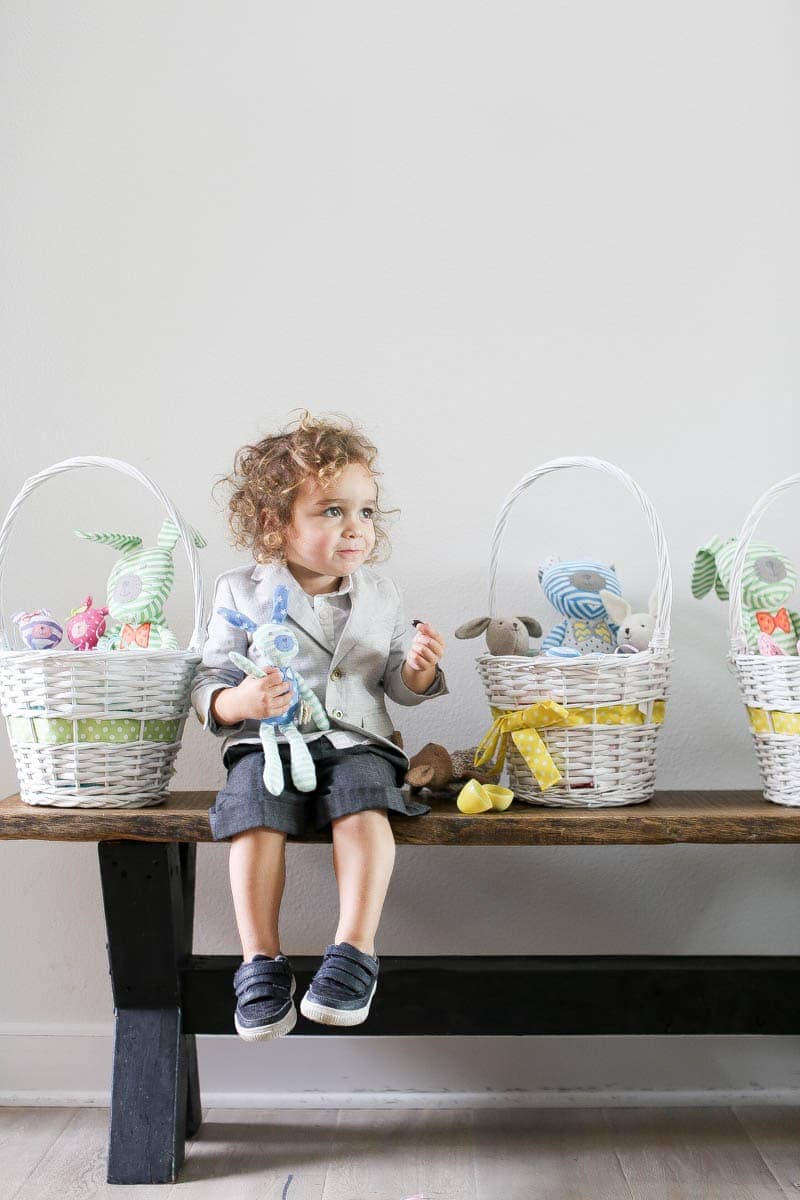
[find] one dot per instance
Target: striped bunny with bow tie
(768, 580)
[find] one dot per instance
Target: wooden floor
(748, 1153)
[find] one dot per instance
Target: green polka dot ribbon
(58, 731)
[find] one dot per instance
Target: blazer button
(337, 712)
(336, 674)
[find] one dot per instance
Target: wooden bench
(164, 994)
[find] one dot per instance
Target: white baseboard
(69, 1065)
(455, 1100)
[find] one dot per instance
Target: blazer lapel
(267, 577)
(351, 634)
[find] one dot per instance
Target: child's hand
(426, 649)
(253, 699)
(419, 668)
(267, 697)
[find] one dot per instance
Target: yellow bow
(522, 725)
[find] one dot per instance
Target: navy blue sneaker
(264, 989)
(342, 989)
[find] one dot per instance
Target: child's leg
(363, 858)
(257, 867)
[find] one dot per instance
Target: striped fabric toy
(138, 587)
(276, 645)
(573, 588)
(768, 580)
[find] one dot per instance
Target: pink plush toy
(86, 625)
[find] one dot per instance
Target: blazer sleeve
(402, 637)
(216, 670)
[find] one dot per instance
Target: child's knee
(262, 835)
(365, 819)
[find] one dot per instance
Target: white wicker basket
(770, 686)
(601, 763)
(53, 700)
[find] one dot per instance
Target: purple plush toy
(37, 628)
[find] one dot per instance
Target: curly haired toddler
(305, 504)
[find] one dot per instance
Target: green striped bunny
(768, 580)
(138, 587)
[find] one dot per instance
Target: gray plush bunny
(504, 635)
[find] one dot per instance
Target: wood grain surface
(698, 816)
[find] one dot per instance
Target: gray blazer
(351, 679)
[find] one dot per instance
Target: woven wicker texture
(137, 701)
(768, 684)
(610, 759)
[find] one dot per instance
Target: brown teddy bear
(435, 768)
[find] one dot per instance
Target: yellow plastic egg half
(473, 799)
(500, 797)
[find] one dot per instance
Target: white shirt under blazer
(351, 674)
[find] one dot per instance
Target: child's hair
(266, 478)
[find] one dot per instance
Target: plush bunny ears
(620, 610)
(280, 600)
(472, 629)
(280, 604)
(168, 536)
(238, 619)
(708, 572)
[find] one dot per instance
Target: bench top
(680, 816)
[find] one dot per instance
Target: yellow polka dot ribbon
(772, 720)
(521, 725)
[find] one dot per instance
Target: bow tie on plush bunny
(138, 586)
(768, 579)
(276, 645)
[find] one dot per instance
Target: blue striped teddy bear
(573, 588)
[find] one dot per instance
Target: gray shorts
(348, 781)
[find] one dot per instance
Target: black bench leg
(194, 1114)
(148, 891)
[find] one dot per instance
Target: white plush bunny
(635, 629)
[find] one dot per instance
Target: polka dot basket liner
(97, 729)
(769, 685)
(616, 701)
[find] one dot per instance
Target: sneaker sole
(324, 1015)
(264, 1033)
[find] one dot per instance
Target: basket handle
(735, 617)
(72, 464)
(660, 638)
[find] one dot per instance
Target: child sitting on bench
(305, 505)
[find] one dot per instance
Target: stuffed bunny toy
(635, 629)
(573, 587)
(139, 584)
(276, 646)
(769, 578)
(504, 635)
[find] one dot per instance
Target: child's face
(332, 531)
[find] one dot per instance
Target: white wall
(494, 233)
